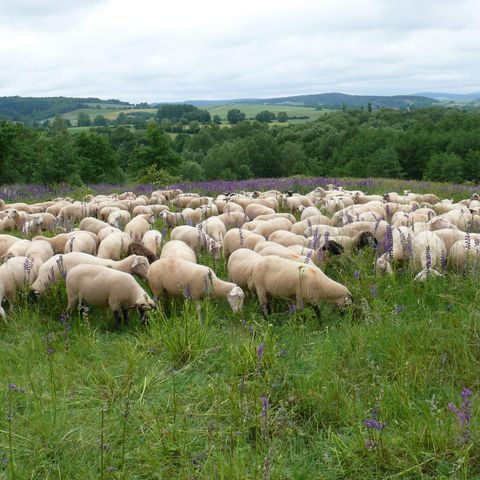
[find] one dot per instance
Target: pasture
(251, 110)
(362, 392)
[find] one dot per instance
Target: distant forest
(433, 144)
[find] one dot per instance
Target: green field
(239, 396)
(110, 113)
(251, 110)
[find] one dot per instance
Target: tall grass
(243, 397)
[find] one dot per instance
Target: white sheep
(114, 246)
(240, 266)
(102, 286)
(81, 243)
(196, 239)
(58, 266)
(137, 227)
(18, 249)
(278, 277)
(240, 238)
(6, 241)
(39, 252)
(91, 224)
(14, 273)
(179, 278)
(178, 249)
(153, 241)
(286, 238)
(214, 228)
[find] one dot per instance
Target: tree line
(438, 144)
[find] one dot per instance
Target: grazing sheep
(14, 273)
(464, 255)
(305, 227)
(286, 238)
(240, 266)
(91, 224)
(6, 241)
(272, 216)
(278, 277)
(192, 217)
(105, 232)
(233, 219)
(195, 238)
(285, 252)
(214, 228)
(18, 249)
(39, 252)
(137, 248)
(114, 246)
(231, 207)
(33, 226)
(178, 249)
(179, 278)
(153, 241)
(102, 286)
(254, 210)
(105, 212)
(428, 250)
(267, 227)
(59, 265)
(240, 238)
(81, 243)
(308, 212)
(119, 219)
(137, 227)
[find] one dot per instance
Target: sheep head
(383, 265)
(140, 266)
(235, 299)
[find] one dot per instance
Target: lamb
(101, 286)
(33, 226)
(240, 266)
(48, 220)
(14, 273)
(240, 238)
(81, 242)
(58, 266)
(178, 249)
(114, 246)
(279, 277)
(179, 278)
(137, 227)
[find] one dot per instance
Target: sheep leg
(263, 299)
(125, 315)
(198, 308)
(118, 318)
(316, 309)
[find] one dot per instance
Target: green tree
(444, 167)
(217, 119)
(100, 121)
(265, 116)
(282, 117)
(235, 116)
(83, 120)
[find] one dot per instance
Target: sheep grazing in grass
(174, 277)
(101, 286)
(275, 277)
(153, 241)
(6, 241)
(240, 266)
(81, 242)
(196, 239)
(240, 238)
(59, 265)
(14, 274)
(137, 248)
(114, 246)
(91, 224)
(137, 227)
(178, 249)
(428, 250)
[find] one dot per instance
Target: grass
(110, 113)
(251, 110)
(240, 396)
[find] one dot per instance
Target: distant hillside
(332, 100)
(455, 97)
(29, 109)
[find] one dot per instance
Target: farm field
(110, 113)
(371, 391)
(251, 110)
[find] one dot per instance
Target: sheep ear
(236, 292)
(135, 262)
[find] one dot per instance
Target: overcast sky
(156, 50)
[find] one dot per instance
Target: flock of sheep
(275, 244)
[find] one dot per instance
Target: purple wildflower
(265, 405)
(373, 291)
(388, 242)
(356, 275)
(187, 292)
(428, 258)
(260, 351)
(443, 260)
(464, 415)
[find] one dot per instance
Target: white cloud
(153, 51)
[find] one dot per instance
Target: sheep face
(140, 266)
(383, 265)
(143, 307)
(235, 299)
(342, 302)
(215, 250)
